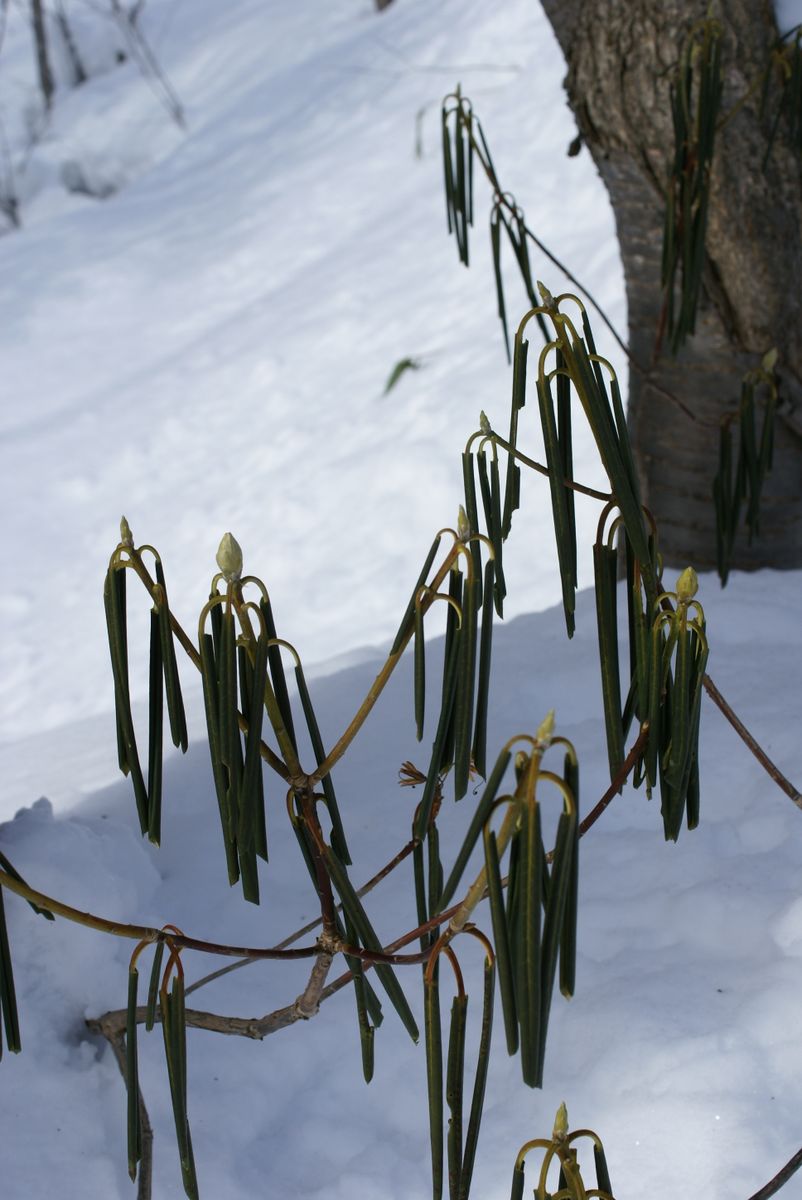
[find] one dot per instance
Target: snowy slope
(680, 1046)
(207, 349)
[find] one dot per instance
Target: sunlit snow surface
(207, 349)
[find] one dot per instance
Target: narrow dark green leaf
(172, 683)
(527, 945)
(605, 564)
(566, 540)
(230, 745)
(155, 723)
(460, 192)
(517, 1189)
(419, 673)
(209, 675)
(367, 935)
(553, 920)
(472, 513)
(153, 986)
(655, 698)
(338, 839)
(466, 681)
(115, 610)
(174, 1031)
(475, 828)
(479, 748)
(8, 999)
(434, 874)
(455, 1078)
(250, 828)
(366, 1030)
(114, 603)
(501, 941)
(438, 748)
(132, 1077)
(511, 487)
(409, 613)
(495, 249)
(277, 674)
(421, 907)
(434, 1082)
(453, 637)
(479, 1083)
(569, 922)
(602, 1173)
(448, 175)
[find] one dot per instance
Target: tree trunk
(621, 58)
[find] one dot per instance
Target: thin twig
(615, 787)
(536, 466)
(403, 853)
(746, 737)
(773, 1186)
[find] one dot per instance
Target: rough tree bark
(621, 58)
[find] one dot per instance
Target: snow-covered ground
(207, 349)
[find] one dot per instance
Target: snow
(205, 350)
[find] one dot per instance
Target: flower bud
(229, 558)
(687, 585)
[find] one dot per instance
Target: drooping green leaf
(479, 748)
(605, 564)
(338, 839)
(132, 1077)
(172, 683)
(478, 821)
(419, 673)
(115, 606)
(434, 1082)
(455, 1078)
(564, 532)
(466, 680)
(209, 675)
(8, 999)
(153, 986)
(527, 943)
(501, 941)
(367, 935)
(155, 722)
(479, 1084)
(409, 613)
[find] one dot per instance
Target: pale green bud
(545, 295)
(769, 360)
(229, 558)
(561, 1123)
(546, 729)
(126, 537)
(484, 424)
(463, 525)
(687, 585)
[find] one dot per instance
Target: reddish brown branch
(773, 1186)
(760, 754)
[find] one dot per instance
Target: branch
(746, 737)
(773, 1186)
(146, 933)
